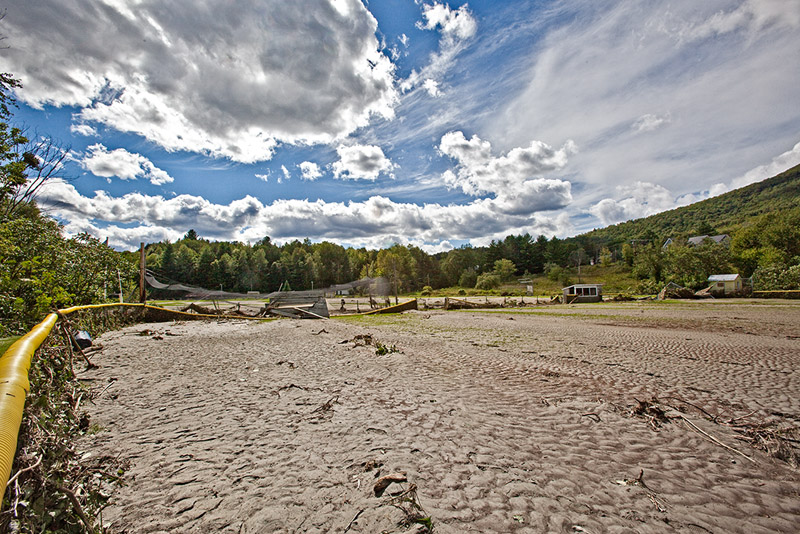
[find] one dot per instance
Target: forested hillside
(722, 214)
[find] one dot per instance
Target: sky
(419, 122)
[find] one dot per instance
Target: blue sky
(418, 122)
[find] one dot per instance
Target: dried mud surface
(503, 421)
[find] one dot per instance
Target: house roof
(583, 285)
(723, 277)
(698, 239)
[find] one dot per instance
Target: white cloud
(779, 163)
(751, 16)
(361, 162)
(684, 94)
(514, 178)
(456, 24)
(643, 198)
(83, 129)
(263, 177)
(432, 87)
(309, 171)
(457, 28)
(375, 222)
(649, 122)
(122, 164)
(184, 76)
(286, 175)
(638, 200)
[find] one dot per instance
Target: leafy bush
(56, 489)
(487, 281)
(648, 287)
(40, 270)
(468, 278)
(776, 277)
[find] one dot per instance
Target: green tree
(504, 270)
(649, 263)
(487, 281)
(468, 278)
(330, 264)
(40, 271)
(397, 265)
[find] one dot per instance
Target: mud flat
(633, 417)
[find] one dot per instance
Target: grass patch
(6, 342)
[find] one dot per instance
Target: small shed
(725, 284)
(583, 293)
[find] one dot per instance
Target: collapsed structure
(309, 304)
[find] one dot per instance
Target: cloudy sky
(412, 121)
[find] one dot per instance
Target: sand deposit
(595, 418)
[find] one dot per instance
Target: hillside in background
(724, 214)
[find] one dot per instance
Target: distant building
(583, 293)
(725, 284)
(721, 239)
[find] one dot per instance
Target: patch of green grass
(6, 342)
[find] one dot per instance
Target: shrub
(487, 281)
(468, 278)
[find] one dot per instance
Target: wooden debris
(385, 481)
(650, 410)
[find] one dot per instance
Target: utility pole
(142, 265)
(394, 267)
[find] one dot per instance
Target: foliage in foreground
(40, 270)
(52, 487)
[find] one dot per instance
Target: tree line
(767, 249)
(41, 269)
(266, 267)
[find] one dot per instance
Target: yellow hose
(14, 365)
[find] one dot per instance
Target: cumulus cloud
(263, 177)
(644, 198)
(122, 164)
(375, 222)
(638, 200)
(457, 27)
(83, 129)
(361, 162)
(779, 163)
(514, 178)
(184, 76)
(432, 87)
(309, 171)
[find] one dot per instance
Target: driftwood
(451, 303)
(201, 309)
(385, 481)
(674, 291)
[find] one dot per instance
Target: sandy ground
(502, 421)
